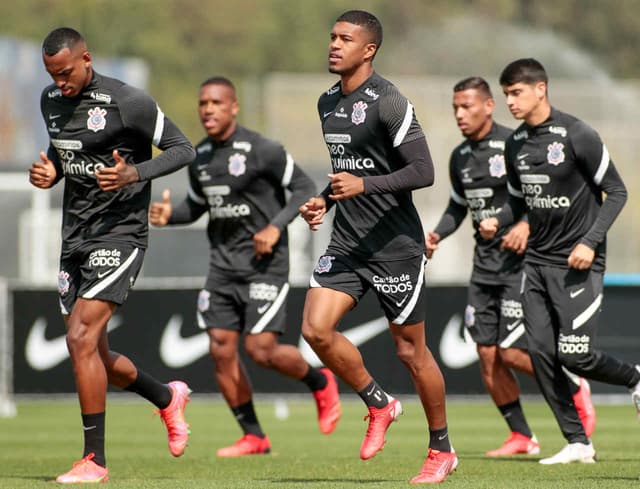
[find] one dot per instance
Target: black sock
(514, 416)
(374, 396)
(152, 390)
(93, 427)
(439, 439)
(315, 380)
(246, 417)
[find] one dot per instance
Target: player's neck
(483, 131)
(540, 114)
(351, 81)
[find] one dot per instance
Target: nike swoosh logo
(176, 351)
(43, 354)
(104, 274)
(52, 116)
(327, 114)
(263, 307)
(456, 351)
(575, 293)
(357, 335)
(522, 157)
(87, 428)
(399, 304)
(511, 327)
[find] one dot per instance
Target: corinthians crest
(96, 121)
(555, 156)
(496, 166)
(237, 165)
(359, 113)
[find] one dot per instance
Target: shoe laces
(84, 460)
(431, 465)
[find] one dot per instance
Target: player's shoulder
(113, 90)
(518, 135)
(460, 151)
(569, 126)
(250, 141)
(500, 132)
(330, 97)
(51, 93)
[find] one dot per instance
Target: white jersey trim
(268, 315)
(457, 199)
(585, 315)
(604, 165)
(288, 171)
(513, 191)
(157, 132)
(404, 128)
(100, 286)
(414, 298)
(195, 197)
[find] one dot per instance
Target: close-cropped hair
(59, 39)
(526, 70)
(474, 82)
(366, 20)
(219, 80)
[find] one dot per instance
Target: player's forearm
(450, 220)
(170, 160)
(616, 193)
(302, 188)
(186, 212)
(417, 171)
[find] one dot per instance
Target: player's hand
(431, 242)
(42, 173)
(265, 239)
(516, 239)
(581, 257)
(118, 176)
(345, 185)
(488, 228)
(160, 212)
(312, 211)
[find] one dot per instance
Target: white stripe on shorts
(585, 315)
(268, 315)
(414, 298)
(512, 337)
(100, 286)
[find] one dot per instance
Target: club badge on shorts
(324, 263)
(97, 121)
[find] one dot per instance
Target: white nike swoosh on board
(455, 352)
(43, 354)
(176, 351)
(357, 335)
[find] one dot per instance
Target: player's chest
(480, 168)
(355, 119)
(91, 125)
(234, 169)
(549, 155)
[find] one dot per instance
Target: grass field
(45, 438)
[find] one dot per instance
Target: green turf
(45, 438)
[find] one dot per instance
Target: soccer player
(101, 132)
(558, 170)
(494, 315)
(379, 154)
(239, 177)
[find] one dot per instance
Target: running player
(101, 132)
(558, 169)
(240, 178)
(379, 155)
(493, 315)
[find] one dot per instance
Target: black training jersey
(561, 169)
(241, 182)
(83, 132)
(479, 183)
(363, 130)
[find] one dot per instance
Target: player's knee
(316, 337)
(259, 354)
(79, 342)
(407, 353)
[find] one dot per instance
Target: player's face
(70, 69)
(524, 99)
(349, 48)
(472, 110)
(218, 108)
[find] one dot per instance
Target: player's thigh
(399, 287)
(541, 322)
(577, 298)
(511, 327)
(482, 313)
(220, 304)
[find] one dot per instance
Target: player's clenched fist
(488, 228)
(312, 211)
(42, 174)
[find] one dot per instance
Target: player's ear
(370, 51)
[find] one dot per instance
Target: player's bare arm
(345, 186)
(160, 212)
(312, 211)
(581, 257)
(118, 176)
(265, 239)
(42, 174)
(516, 239)
(488, 227)
(431, 242)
